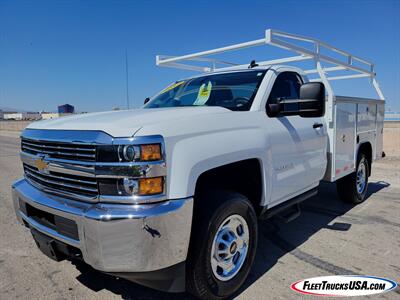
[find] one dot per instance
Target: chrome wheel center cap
(230, 247)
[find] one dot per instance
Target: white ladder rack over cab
(344, 137)
(286, 41)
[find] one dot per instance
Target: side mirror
(146, 100)
(312, 100)
(310, 105)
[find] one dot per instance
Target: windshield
(234, 91)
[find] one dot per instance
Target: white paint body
(293, 155)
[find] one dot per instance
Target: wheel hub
(361, 177)
(230, 247)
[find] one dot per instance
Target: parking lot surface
(329, 238)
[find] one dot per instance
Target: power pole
(127, 78)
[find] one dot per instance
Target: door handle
(317, 125)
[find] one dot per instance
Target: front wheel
(222, 250)
(353, 187)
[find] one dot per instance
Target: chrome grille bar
(71, 147)
(49, 181)
(58, 177)
(83, 152)
(57, 152)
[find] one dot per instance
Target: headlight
(128, 153)
(140, 187)
(130, 169)
(130, 186)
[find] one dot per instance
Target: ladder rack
(285, 41)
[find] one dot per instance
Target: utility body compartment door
(366, 125)
(345, 138)
(380, 116)
(357, 121)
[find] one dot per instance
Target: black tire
(347, 186)
(211, 212)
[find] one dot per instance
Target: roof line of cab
(246, 69)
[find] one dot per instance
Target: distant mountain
(5, 108)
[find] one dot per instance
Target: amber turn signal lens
(150, 152)
(151, 186)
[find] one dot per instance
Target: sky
(56, 52)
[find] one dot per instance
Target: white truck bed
(356, 121)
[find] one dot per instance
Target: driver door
(297, 151)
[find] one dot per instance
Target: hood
(127, 122)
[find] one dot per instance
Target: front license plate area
(47, 245)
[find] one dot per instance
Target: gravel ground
(329, 238)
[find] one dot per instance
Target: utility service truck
(168, 195)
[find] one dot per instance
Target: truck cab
(168, 195)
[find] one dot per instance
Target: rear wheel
(353, 187)
(223, 244)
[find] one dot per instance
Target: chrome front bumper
(116, 237)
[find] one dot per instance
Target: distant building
(21, 116)
(49, 115)
(66, 109)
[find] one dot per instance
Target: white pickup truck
(169, 195)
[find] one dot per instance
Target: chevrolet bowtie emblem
(40, 164)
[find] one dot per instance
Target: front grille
(79, 185)
(67, 151)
